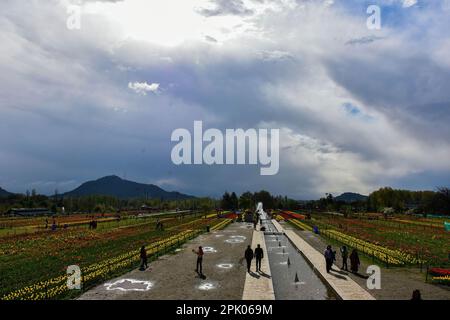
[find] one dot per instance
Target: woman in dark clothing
(143, 256)
(354, 261)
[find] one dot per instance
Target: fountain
(306, 285)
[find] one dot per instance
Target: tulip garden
(34, 265)
(402, 241)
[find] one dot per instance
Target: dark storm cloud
(353, 117)
(411, 88)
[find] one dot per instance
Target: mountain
(351, 197)
(124, 189)
(4, 193)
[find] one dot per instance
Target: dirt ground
(396, 283)
(173, 276)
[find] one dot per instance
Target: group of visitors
(330, 257)
(53, 227)
(249, 255)
(258, 254)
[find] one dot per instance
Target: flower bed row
(292, 215)
(439, 272)
(442, 280)
(421, 223)
(221, 225)
(301, 225)
(57, 286)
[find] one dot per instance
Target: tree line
(249, 200)
(396, 201)
(421, 202)
(389, 200)
(100, 204)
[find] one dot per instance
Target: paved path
(342, 284)
(396, 283)
(259, 286)
(172, 276)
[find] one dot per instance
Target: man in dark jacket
(344, 253)
(329, 258)
(249, 257)
(143, 255)
(259, 254)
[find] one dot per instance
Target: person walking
(354, 261)
(158, 224)
(199, 253)
(143, 256)
(259, 255)
(329, 258)
(249, 257)
(344, 253)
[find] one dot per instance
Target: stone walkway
(340, 282)
(396, 283)
(173, 277)
(259, 286)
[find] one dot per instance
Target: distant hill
(350, 197)
(124, 189)
(4, 193)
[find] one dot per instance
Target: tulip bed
(34, 266)
(418, 243)
(441, 280)
(440, 275)
(221, 225)
(439, 225)
(439, 272)
(300, 225)
(386, 255)
(389, 256)
(57, 287)
(292, 215)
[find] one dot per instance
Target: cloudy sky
(357, 108)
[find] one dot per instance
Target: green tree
(226, 201)
(234, 203)
(246, 200)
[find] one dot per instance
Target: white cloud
(409, 3)
(143, 87)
